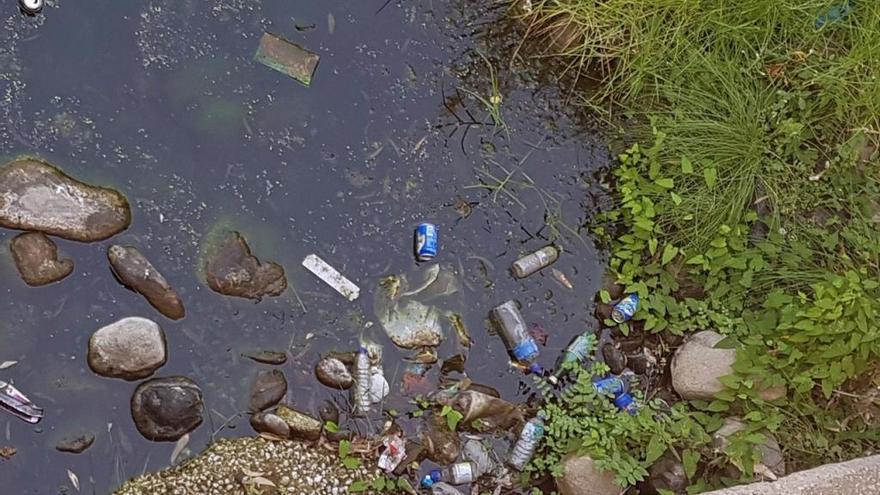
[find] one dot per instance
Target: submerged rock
(37, 196)
(268, 389)
(131, 348)
(136, 272)
(268, 357)
(333, 373)
(75, 444)
(301, 425)
(36, 258)
(270, 423)
(165, 409)
(233, 271)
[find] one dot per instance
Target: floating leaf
(178, 448)
(331, 427)
(561, 278)
(351, 463)
(74, 480)
(261, 481)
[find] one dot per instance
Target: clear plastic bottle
(459, 473)
(362, 381)
(527, 443)
(512, 328)
(531, 263)
(576, 352)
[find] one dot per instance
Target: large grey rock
(697, 366)
(34, 195)
(857, 477)
(581, 477)
(136, 272)
(131, 348)
(165, 409)
(36, 258)
(771, 453)
(233, 271)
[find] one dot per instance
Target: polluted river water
(164, 102)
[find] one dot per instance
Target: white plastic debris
(331, 277)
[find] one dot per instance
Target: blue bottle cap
(536, 369)
(526, 350)
(427, 482)
(436, 475)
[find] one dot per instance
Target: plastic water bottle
(527, 443)
(512, 328)
(362, 381)
(456, 474)
(576, 352)
(538, 260)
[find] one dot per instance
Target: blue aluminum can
(613, 386)
(625, 309)
(426, 242)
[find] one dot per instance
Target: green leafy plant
(452, 416)
(582, 421)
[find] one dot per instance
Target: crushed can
(626, 308)
(426, 242)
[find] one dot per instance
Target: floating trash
(426, 242)
(394, 453)
(527, 443)
(534, 262)
(412, 324)
(287, 58)
(331, 277)
(18, 404)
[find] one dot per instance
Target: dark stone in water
(37, 196)
(233, 271)
(75, 444)
(270, 423)
(36, 258)
(603, 312)
(268, 389)
(165, 409)
(615, 359)
(136, 272)
(333, 373)
(328, 411)
(267, 357)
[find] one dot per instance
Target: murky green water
(161, 99)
